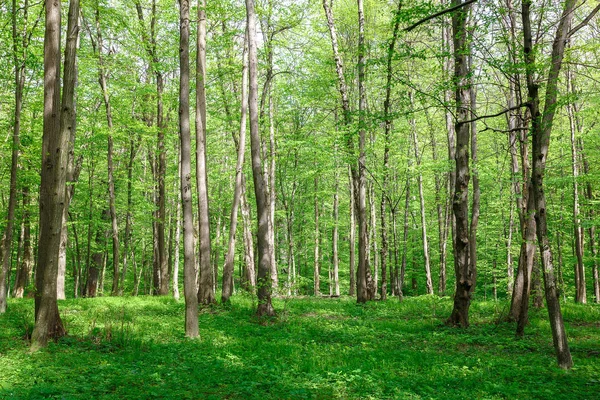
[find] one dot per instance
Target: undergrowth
(134, 347)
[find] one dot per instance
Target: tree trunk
(335, 282)
(206, 294)
(265, 308)
(102, 80)
(26, 268)
(7, 238)
(572, 111)
(465, 275)
(400, 291)
(541, 130)
(58, 120)
(317, 266)
(352, 236)
(249, 278)
(189, 262)
(413, 123)
(241, 150)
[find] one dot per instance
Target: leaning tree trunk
(265, 308)
(541, 130)
(206, 294)
(580, 286)
(189, 262)
(58, 120)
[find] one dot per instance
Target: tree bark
(335, 282)
(352, 236)
(427, 265)
(103, 81)
(465, 275)
(241, 150)
(26, 267)
(58, 120)
(206, 294)
(541, 130)
(265, 308)
(572, 111)
(189, 262)
(316, 265)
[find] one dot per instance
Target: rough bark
(189, 262)
(465, 276)
(58, 120)
(265, 308)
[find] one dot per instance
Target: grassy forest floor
(134, 348)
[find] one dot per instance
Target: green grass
(132, 348)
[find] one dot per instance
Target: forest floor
(134, 348)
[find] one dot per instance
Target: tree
(206, 294)
(265, 308)
(57, 123)
(189, 262)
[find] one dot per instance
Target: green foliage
(316, 349)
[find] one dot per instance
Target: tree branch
(446, 11)
(494, 115)
(584, 22)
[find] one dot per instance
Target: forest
(299, 199)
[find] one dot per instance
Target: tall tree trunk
(580, 286)
(249, 278)
(475, 179)
(335, 282)
(465, 276)
(55, 151)
(317, 266)
(178, 222)
(450, 221)
(206, 294)
(26, 267)
(400, 291)
(102, 80)
(352, 236)
(363, 282)
(541, 130)
(415, 140)
(189, 262)
(260, 190)
(128, 220)
(589, 195)
(272, 197)
(241, 150)
(7, 238)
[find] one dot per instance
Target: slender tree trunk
(26, 267)
(272, 197)
(241, 149)
(206, 294)
(589, 195)
(128, 221)
(363, 281)
(260, 190)
(352, 236)
(465, 275)
(580, 285)
(102, 79)
(317, 266)
(189, 262)
(335, 282)
(541, 129)
(475, 180)
(7, 238)
(55, 146)
(427, 265)
(400, 291)
(249, 278)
